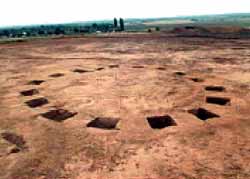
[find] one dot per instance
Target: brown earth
(130, 106)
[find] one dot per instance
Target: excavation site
(125, 106)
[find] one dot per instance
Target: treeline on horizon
(241, 20)
(62, 29)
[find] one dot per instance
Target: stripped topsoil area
(125, 106)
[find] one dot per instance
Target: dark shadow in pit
(104, 123)
(56, 75)
(37, 102)
(36, 82)
(197, 80)
(16, 140)
(58, 115)
(100, 69)
(179, 73)
(160, 122)
(203, 114)
(218, 100)
(215, 88)
(30, 92)
(113, 66)
(161, 68)
(80, 71)
(238, 48)
(137, 66)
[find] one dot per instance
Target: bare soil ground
(130, 106)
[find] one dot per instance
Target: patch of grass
(10, 41)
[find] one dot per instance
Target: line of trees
(43, 30)
(63, 29)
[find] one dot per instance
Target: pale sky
(24, 12)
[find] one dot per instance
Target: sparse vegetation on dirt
(125, 105)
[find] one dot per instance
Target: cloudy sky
(24, 12)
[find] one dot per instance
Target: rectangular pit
(215, 88)
(34, 103)
(58, 115)
(160, 122)
(218, 100)
(203, 114)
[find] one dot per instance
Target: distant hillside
(236, 19)
(241, 20)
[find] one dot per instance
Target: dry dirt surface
(125, 106)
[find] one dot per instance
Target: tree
(76, 30)
(121, 24)
(6, 33)
(115, 23)
(59, 31)
(157, 28)
(41, 32)
(94, 27)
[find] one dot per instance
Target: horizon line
(110, 19)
